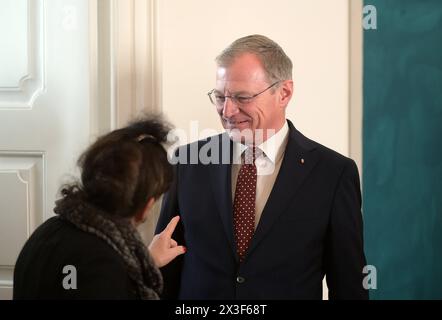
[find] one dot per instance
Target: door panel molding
(22, 200)
(20, 87)
(22, 203)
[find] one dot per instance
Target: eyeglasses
(218, 99)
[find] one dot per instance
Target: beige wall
(315, 34)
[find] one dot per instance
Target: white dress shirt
(267, 164)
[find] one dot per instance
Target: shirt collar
(273, 147)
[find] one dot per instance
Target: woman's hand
(163, 248)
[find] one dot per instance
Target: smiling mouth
(233, 123)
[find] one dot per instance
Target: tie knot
(250, 155)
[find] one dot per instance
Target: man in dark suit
(271, 212)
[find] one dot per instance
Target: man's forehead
(246, 67)
(229, 74)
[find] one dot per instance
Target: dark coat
(100, 271)
(311, 226)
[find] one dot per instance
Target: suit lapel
(291, 176)
(221, 177)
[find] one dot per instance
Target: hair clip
(145, 136)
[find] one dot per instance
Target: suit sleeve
(172, 272)
(344, 254)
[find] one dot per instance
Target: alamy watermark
(370, 17)
(217, 148)
(70, 280)
(370, 281)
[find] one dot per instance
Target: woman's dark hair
(123, 169)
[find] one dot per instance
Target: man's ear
(285, 93)
(141, 216)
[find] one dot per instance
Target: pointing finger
(168, 231)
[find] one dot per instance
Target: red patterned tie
(244, 203)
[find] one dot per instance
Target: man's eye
(220, 98)
(243, 99)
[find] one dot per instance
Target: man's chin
(244, 136)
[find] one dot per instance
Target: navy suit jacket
(311, 226)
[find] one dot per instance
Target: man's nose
(229, 108)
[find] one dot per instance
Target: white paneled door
(45, 108)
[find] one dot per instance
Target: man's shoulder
(328, 156)
(331, 154)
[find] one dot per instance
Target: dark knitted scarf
(122, 236)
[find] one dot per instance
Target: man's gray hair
(277, 65)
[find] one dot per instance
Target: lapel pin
(302, 161)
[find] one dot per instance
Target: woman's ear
(149, 204)
(141, 216)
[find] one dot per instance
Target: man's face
(245, 77)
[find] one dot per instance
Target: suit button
(240, 280)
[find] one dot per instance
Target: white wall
(314, 33)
